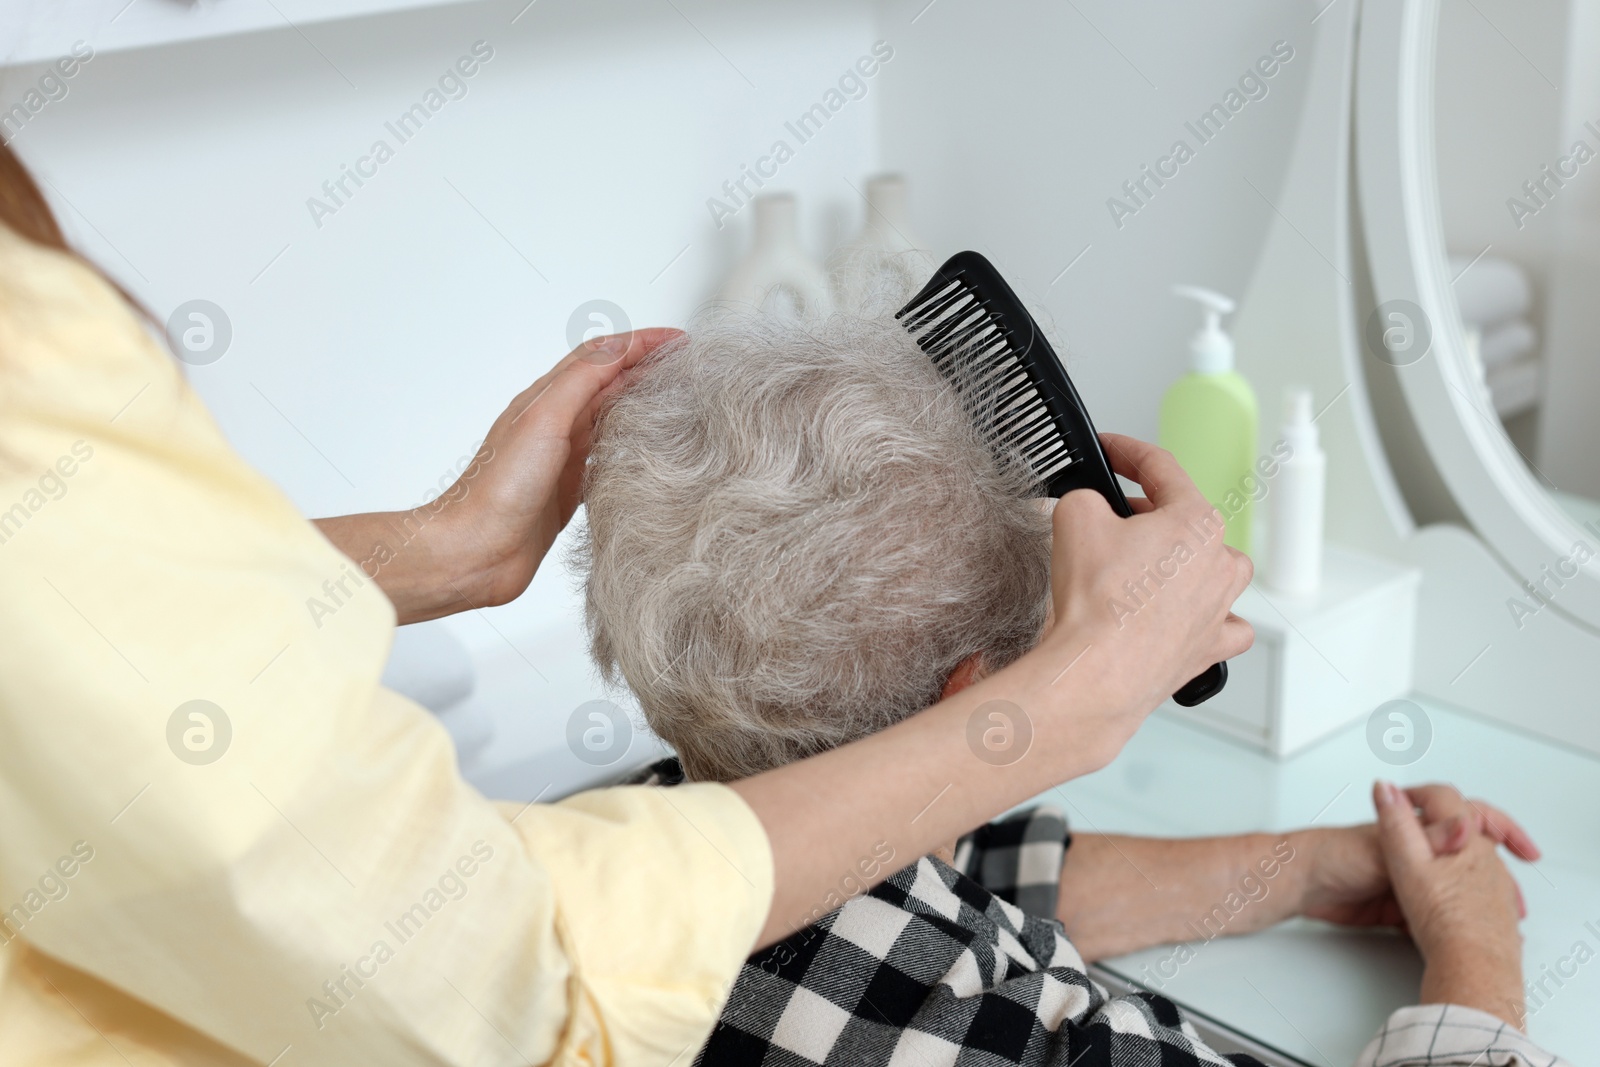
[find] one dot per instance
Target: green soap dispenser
(1209, 420)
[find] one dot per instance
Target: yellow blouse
(221, 840)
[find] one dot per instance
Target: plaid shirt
(944, 965)
(932, 969)
(1447, 1035)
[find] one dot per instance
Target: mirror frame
(1396, 170)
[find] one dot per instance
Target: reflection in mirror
(1517, 128)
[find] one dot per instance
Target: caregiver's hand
(1076, 698)
(480, 542)
(1149, 598)
(1461, 909)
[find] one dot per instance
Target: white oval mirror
(1486, 314)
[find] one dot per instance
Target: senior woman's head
(796, 536)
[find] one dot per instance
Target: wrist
(1097, 701)
(1056, 745)
(1053, 721)
(419, 558)
(1483, 975)
(1476, 952)
(461, 567)
(1306, 883)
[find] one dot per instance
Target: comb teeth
(981, 337)
(972, 347)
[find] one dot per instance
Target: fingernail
(1387, 793)
(603, 351)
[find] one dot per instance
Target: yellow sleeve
(294, 861)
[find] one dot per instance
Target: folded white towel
(1507, 343)
(1515, 387)
(1490, 291)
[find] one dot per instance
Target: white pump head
(1211, 348)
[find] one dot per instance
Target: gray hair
(794, 535)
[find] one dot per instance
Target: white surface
(1532, 667)
(1316, 991)
(40, 30)
(1319, 661)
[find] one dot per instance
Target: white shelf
(47, 29)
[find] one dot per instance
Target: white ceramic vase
(777, 275)
(882, 266)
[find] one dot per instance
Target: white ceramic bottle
(1296, 501)
(777, 275)
(887, 261)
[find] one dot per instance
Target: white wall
(1020, 137)
(373, 352)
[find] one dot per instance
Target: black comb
(979, 336)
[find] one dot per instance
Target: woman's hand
(527, 479)
(1145, 600)
(1348, 880)
(1461, 909)
(1110, 903)
(481, 541)
(1079, 695)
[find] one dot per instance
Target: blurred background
(373, 345)
(1518, 131)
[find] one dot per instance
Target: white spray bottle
(1296, 501)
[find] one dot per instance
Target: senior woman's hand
(1461, 909)
(1121, 894)
(481, 541)
(1348, 880)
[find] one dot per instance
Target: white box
(1319, 662)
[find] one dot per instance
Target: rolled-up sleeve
(224, 840)
(1447, 1035)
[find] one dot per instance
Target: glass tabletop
(1319, 992)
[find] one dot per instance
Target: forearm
(1120, 894)
(424, 574)
(846, 819)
